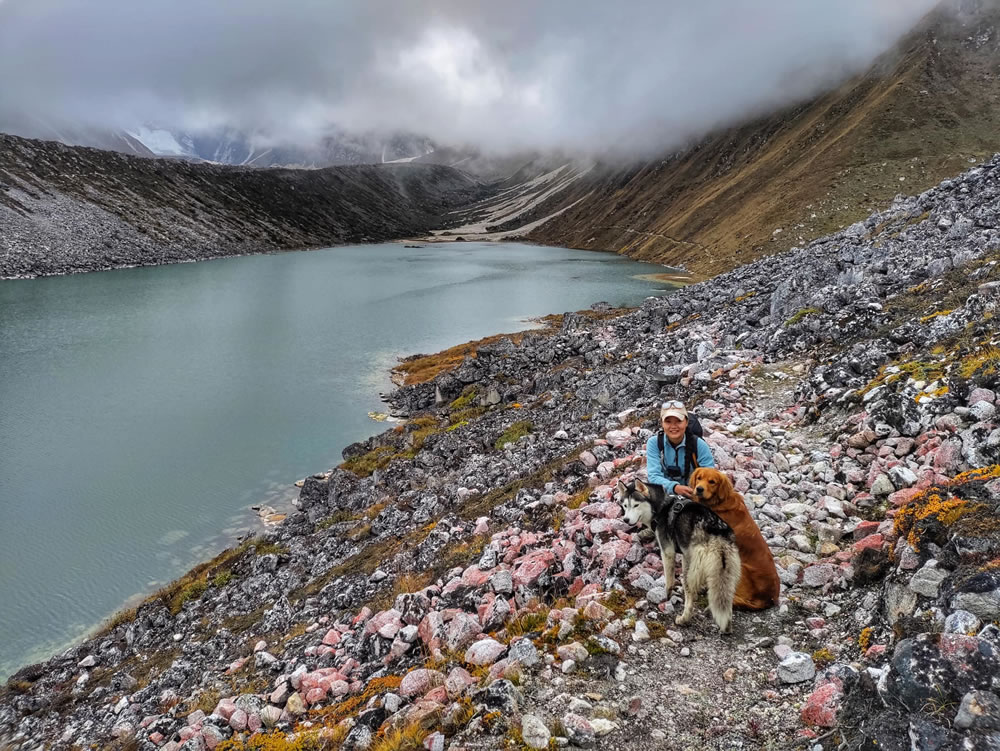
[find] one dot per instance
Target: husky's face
(635, 505)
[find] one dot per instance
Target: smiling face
(710, 485)
(673, 428)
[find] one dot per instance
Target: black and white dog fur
(706, 542)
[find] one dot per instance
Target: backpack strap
(690, 454)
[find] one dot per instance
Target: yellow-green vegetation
(410, 738)
(337, 517)
(416, 432)
(800, 314)
(462, 718)
(122, 617)
(467, 415)
(208, 700)
(222, 578)
(985, 362)
(579, 499)
(904, 371)
(595, 648)
(485, 503)
(333, 714)
(459, 554)
(190, 586)
(515, 432)
(932, 316)
(457, 425)
(424, 368)
(375, 509)
(823, 657)
(306, 740)
(192, 591)
(467, 397)
(525, 623)
(364, 464)
(412, 582)
(241, 623)
(271, 548)
(618, 602)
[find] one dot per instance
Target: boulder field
(465, 580)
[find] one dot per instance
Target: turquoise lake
(143, 411)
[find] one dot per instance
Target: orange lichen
(927, 505)
(982, 473)
(865, 638)
(934, 394)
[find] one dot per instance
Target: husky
(706, 542)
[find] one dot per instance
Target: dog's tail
(722, 582)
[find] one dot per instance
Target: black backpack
(691, 435)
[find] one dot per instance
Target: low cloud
(586, 75)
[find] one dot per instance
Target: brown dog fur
(759, 585)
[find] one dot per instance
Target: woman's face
(674, 427)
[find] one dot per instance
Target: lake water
(143, 411)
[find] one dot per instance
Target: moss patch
(514, 433)
(800, 314)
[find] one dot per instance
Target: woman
(671, 467)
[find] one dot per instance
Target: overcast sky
(507, 74)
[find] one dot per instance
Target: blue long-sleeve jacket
(675, 458)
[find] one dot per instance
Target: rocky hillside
(465, 581)
(66, 209)
(924, 111)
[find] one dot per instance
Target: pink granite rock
(823, 704)
(418, 682)
(484, 652)
(363, 615)
(332, 638)
(238, 720)
(458, 681)
(431, 630)
(530, 567)
(438, 695)
(595, 611)
(225, 708)
(462, 630)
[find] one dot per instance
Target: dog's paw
(682, 620)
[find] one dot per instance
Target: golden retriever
(759, 585)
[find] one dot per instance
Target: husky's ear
(642, 488)
(622, 490)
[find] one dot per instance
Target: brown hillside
(922, 113)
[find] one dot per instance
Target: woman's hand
(684, 490)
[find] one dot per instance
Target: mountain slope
(923, 112)
(65, 209)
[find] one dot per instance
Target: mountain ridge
(66, 209)
(921, 113)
